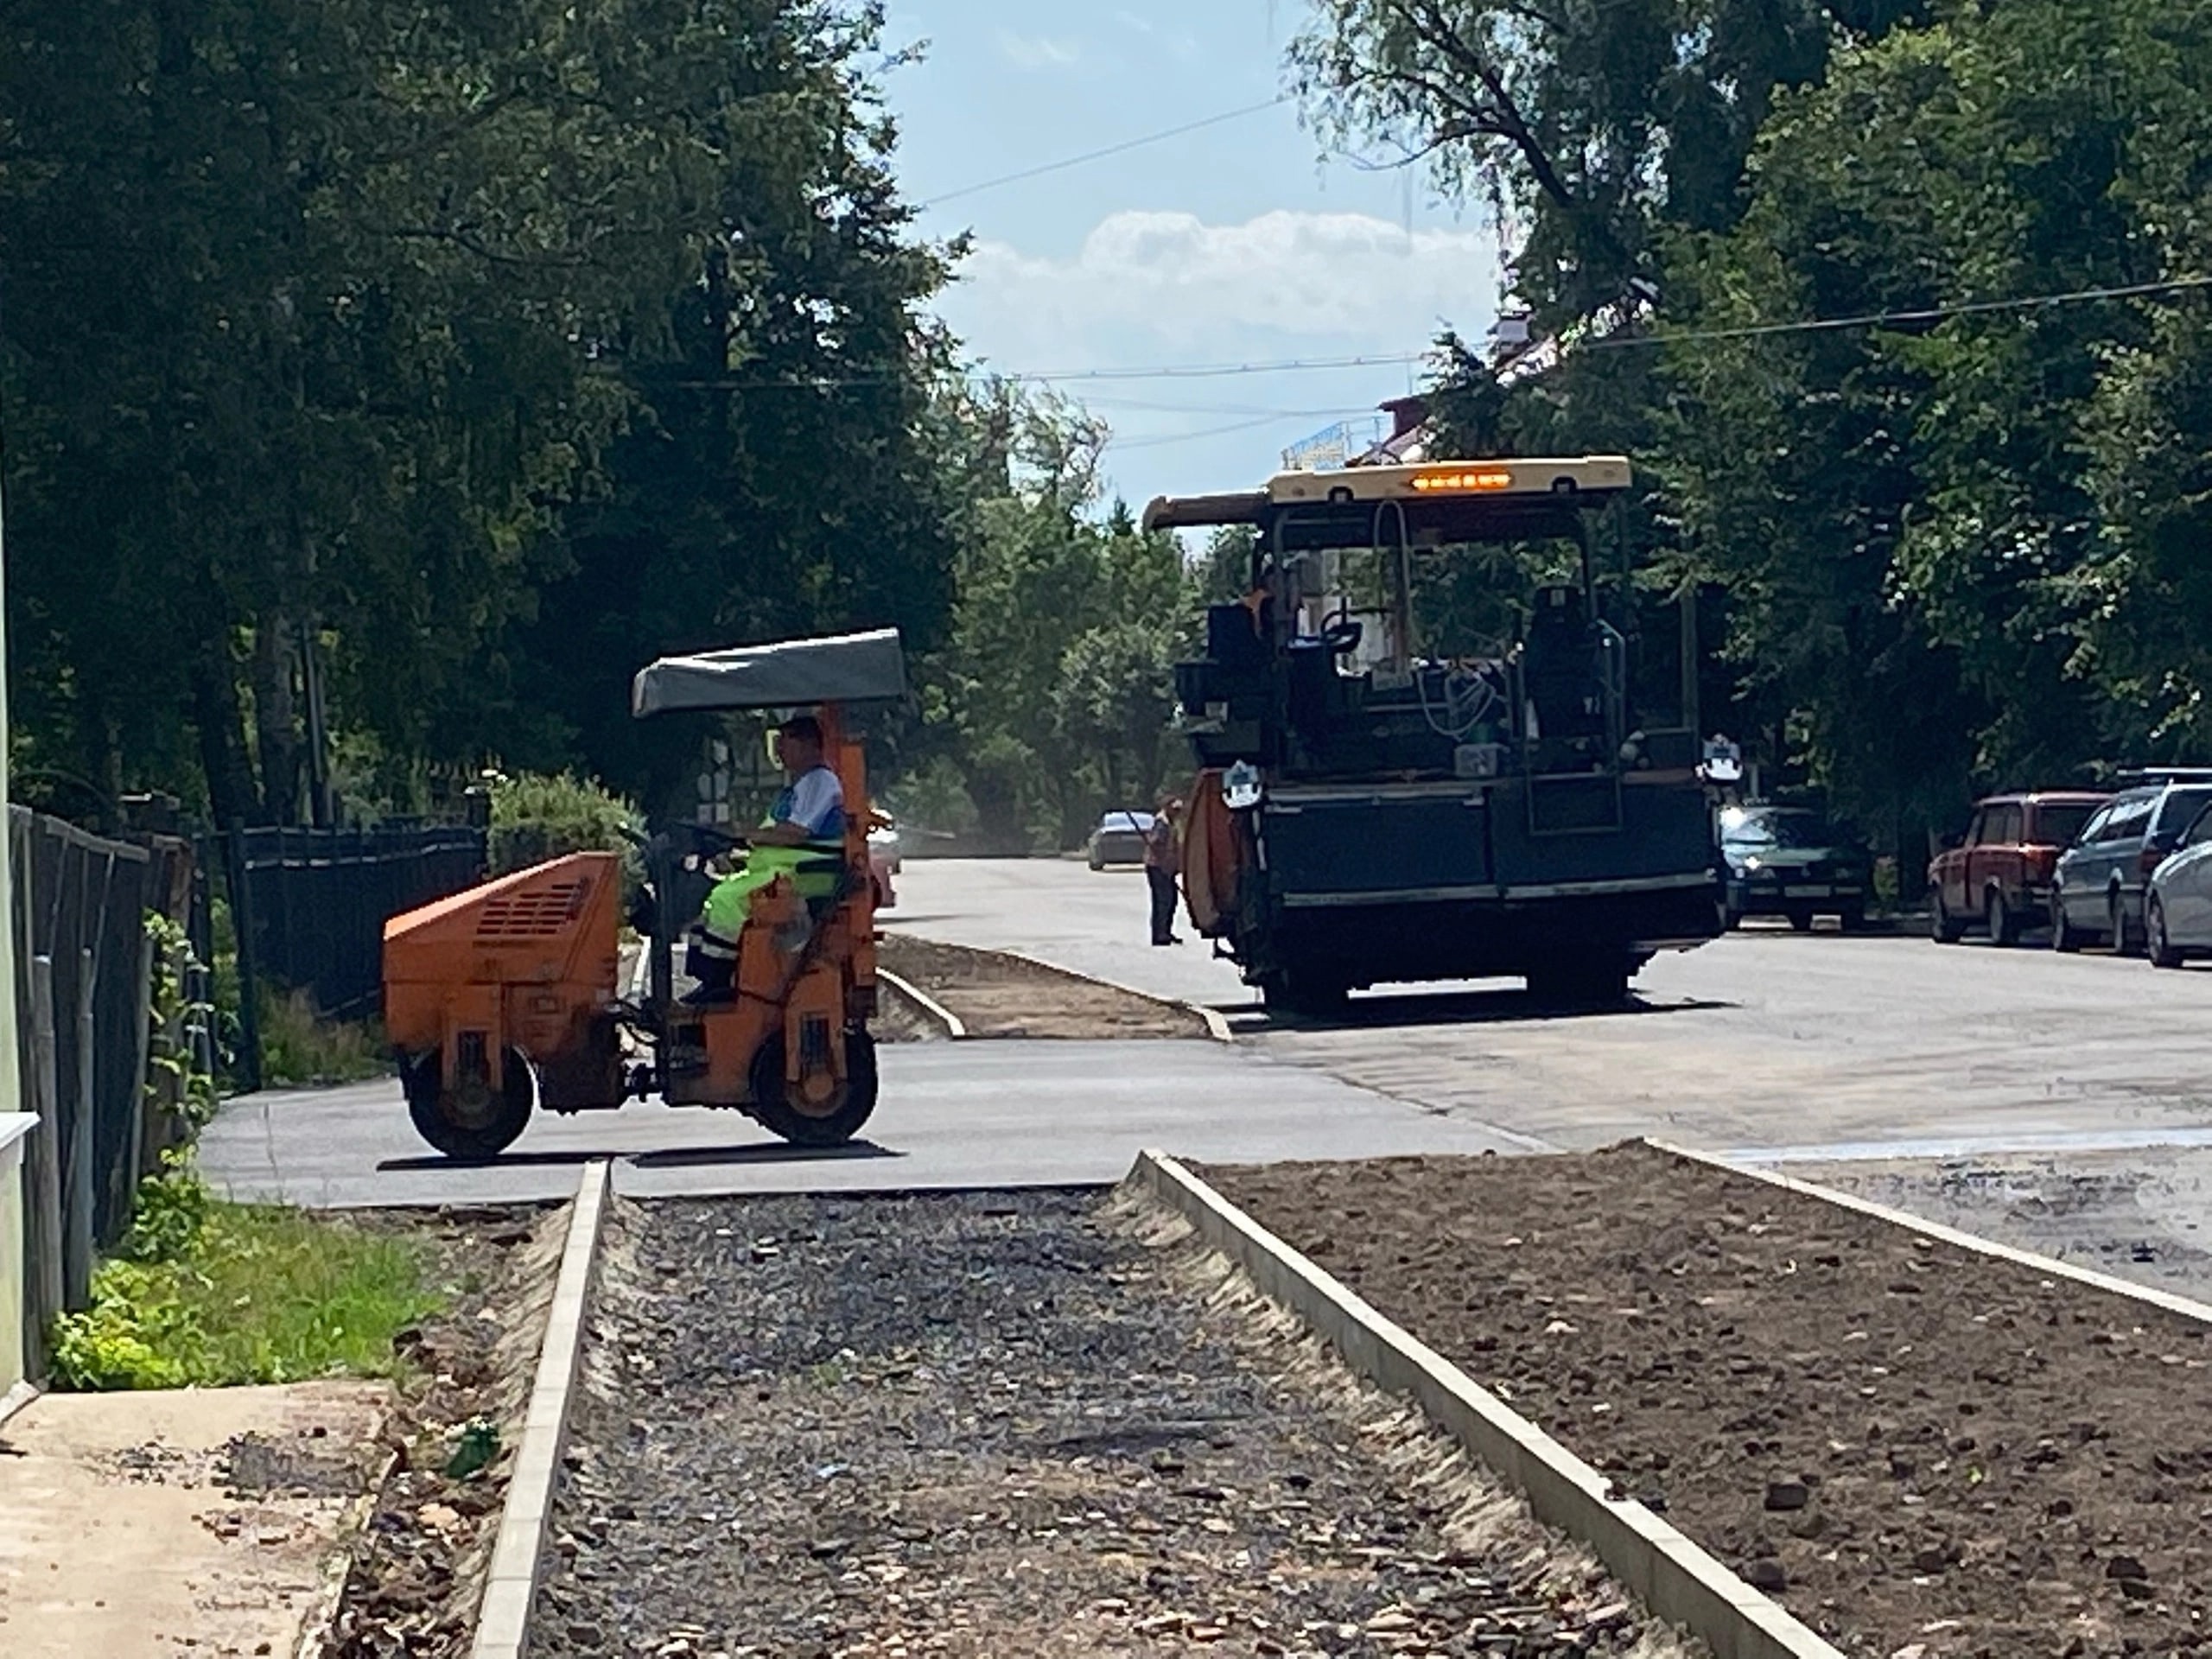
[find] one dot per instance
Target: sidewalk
(204, 1521)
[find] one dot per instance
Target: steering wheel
(1342, 636)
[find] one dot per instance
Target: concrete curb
(16, 1398)
(503, 1619)
(954, 1026)
(1672, 1577)
(1217, 1026)
(322, 1615)
(2047, 1267)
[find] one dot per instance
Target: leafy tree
(319, 322)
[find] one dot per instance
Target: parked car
(1788, 861)
(1119, 839)
(1999, 875)
(883, 861)
(2177, 911)
(2097, 895)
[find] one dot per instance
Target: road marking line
(1676, 1578)
(955, 1027)
(503, 1619)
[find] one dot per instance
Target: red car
(1998, 876)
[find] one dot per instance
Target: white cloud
(1147, 283)
(1148, 290)
(1037, 51)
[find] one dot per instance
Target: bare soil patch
(1918, 1450)
(994, 1425)
(998, 995)
(416, 1575)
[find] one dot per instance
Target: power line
(1174, 372)
(1120, 444)
(1890, 318)
(1089, 155)
(1220, 371)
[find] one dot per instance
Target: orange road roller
(508, 998)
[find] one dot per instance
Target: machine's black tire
(847, 1112)
(1943, 927)
(457, 1129)
(2065, 938)
(2157, 946)
(1852, 921)
(1996, 919)
(1801, 921)
(1286, 991)
(1588, 982)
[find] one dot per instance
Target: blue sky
(1231, 245)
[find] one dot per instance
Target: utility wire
(1612, 342)
(1089, 155)
(1890, 318)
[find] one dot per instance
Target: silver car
(2177, 910)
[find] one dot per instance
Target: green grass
(209, 1295)
(299, 1048)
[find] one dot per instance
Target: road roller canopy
(852, 667)
(1438, 501)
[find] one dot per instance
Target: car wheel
(1943, 927)
(1997, 919)
(2126, 941)
(1801, 921)
(2162, 951)
(2064, 936)
(1852, 921)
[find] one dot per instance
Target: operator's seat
(1561, 667)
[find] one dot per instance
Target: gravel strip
(1009, 1425)
(1921, 1450)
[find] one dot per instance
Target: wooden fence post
(143, 1148)
(77, 1236)
(42, 1165)
(248, 1078)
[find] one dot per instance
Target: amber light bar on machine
(1451, 482)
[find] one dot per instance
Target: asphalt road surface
(952, 1115)
(1775, 1045)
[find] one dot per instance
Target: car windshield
(1776, 828)
(1114, 821)
(2062, 826)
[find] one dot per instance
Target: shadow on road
(752, 1152)
(1458, 1008)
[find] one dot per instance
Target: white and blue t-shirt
(815, 801)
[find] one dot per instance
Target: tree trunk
(276, 717)
(221, 721)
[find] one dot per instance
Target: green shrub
(300, 1047)
(537, 816)
(211, 1295)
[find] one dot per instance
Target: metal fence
(83, 1009)
(310, 905)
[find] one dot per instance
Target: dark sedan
(1790, 861)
